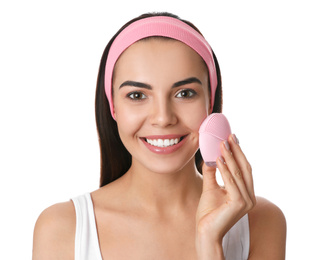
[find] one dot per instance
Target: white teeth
(162, 142)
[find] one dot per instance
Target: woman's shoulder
(267, 230)
(266, 215)
(54, 233)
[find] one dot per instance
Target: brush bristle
(217, 125)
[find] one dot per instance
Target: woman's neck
(163, 193)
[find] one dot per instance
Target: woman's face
(160, 99)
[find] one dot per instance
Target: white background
(49, 58)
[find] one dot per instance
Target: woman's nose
(163, 114)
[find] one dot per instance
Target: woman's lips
(164, 144)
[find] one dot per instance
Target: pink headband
(158, 26)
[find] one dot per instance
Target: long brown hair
(115, 159)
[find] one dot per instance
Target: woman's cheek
(129, 119)
(194, 116)
(129, 113)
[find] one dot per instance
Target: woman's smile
(164, 144)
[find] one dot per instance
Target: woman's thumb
(209, 177)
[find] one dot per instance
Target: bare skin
(162, 208)
(54, 235)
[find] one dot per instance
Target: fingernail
(226, 145)
(211, 164)
(221, 159)
(236, 140)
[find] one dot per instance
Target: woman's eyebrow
(187, 81)
(147, 86)
(135, 84)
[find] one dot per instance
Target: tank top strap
(236, 242)
(86, 237)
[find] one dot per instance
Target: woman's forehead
(156, 51)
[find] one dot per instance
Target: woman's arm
(54, 234)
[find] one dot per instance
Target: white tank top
(235, 243)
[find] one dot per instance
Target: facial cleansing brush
(213, 130)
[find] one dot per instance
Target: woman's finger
(243, 165)
(237, 175)
(228, 179)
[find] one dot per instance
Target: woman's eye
(136, 96)
(186, 93)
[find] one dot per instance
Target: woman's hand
(221, 207)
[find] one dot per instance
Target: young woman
(158, 80)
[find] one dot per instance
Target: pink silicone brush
(213, 130)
